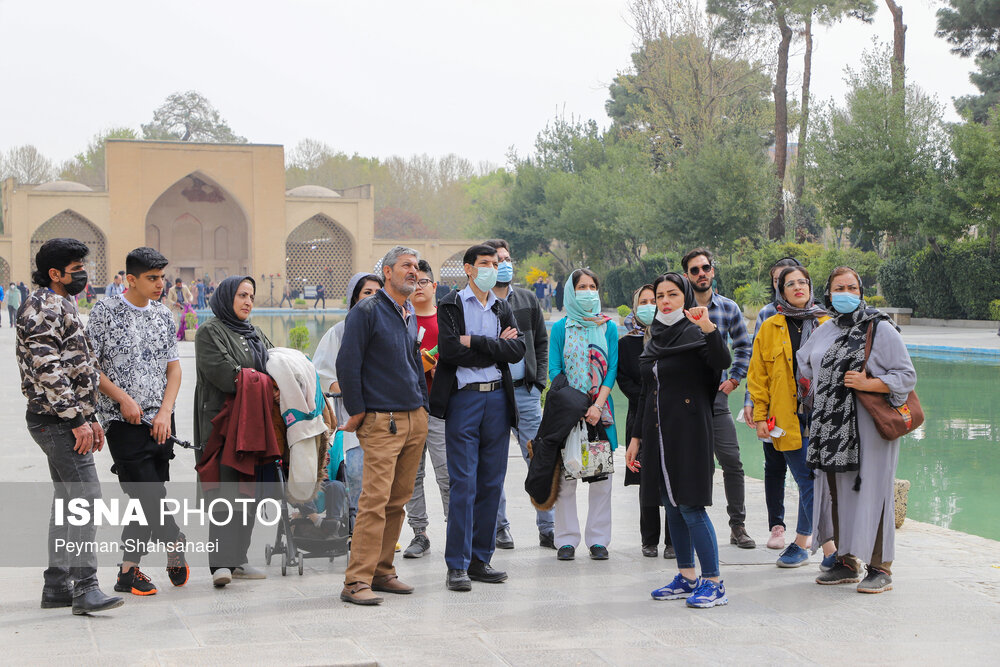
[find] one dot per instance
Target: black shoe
(740, 538)
(547, 540)
(650, 552)
(566, 553)
(178, 570)
(480, 571)
(840, 573)
(95, 600)
(134, 582)
(877, 581)
(458, 580)
(419, 545)
(598, 552)
(504, 539)
(668, 552)
(54, 600)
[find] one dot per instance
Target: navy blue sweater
(378, 365)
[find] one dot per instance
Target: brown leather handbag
(892, 422)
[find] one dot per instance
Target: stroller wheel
(267, 553)
(284, 564)
(301, 565)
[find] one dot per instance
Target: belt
(483, 386)
(518, 383)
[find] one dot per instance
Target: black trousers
(649, 526)
(142, 466)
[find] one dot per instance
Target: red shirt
(430, 341)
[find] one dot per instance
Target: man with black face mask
(59, 377)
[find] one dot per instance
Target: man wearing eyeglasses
(726, 315)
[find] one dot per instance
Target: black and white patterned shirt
(133, 347)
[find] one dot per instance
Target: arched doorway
(201, 229)
(452, 271)
(319, 251)
(70, 224)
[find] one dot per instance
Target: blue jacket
(379, 366)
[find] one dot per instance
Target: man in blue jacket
(474, 393)
(382, 380)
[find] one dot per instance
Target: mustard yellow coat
(771, 381)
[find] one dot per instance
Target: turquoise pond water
(952, 461)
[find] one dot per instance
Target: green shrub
(896, 278)
(995, 310)
(932, 294)
(876, 301)
(753, 294)
(974, 276)
(298, 338)
(621, 282)
(191, 320)
(623, 311)
(300, 301)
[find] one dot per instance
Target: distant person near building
(115, 288)
(179, 297)
(559, 293)
(13, 300)
(320, 296)
(202, 293)
(286, 295)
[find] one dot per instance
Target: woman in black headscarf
(680, 367)
(224, 345)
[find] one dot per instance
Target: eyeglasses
(695, 270)
(424, 282)
(801, 282)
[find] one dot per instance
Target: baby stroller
(299, 537)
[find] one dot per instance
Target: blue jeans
(529, 417)
(354, 463)
(477, 437)
(774, 484)
(691, 531)
(73, 476)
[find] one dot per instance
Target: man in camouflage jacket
(60, 380)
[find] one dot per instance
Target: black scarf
(222, 306)
(833, 436)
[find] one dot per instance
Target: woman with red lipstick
(681, 366)
(781, 401)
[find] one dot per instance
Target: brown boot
(359, 593)
(390, 583)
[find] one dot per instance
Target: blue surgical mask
(645, 313)
(505, 273)
(589, 301)
(844, 302)
(486, 278)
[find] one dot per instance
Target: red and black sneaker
(177, 567)
(134, 582)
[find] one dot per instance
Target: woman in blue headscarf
(584, 346)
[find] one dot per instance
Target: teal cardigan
(557, 341)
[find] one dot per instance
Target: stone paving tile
(559, 658)
(320, 652)
(429, 649)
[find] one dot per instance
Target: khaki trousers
(390, 469)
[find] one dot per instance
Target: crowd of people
(454, 374)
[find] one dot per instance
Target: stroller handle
(330, 394)
(174, 440)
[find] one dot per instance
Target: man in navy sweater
(382, 380)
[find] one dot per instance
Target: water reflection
(277, 326)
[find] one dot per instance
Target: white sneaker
(221, 577)
(777, 539)
(247, 571)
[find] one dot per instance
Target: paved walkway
(945, 606)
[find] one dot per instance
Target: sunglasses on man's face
(695, 270)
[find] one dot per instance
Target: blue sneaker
(793, 556)
(677, 589)
(709, 594)
(828, 562)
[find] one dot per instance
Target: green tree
(881, 167)
(977, 167)
(973, 28)
(88, 167)
(190, 116)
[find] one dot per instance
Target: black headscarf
(681, 337)
(222, 306)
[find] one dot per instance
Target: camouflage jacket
(58, 370)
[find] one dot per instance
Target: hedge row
(959, 283)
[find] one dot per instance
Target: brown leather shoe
(359, 593)
(390, 583)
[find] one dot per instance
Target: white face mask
(671, 318)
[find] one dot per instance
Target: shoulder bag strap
(869, 338)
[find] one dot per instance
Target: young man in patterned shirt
(135, 341)
(59, 379)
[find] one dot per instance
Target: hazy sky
(376, 77)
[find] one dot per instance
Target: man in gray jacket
(529, 377)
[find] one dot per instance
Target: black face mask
(78, 283)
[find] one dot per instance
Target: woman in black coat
(680, 368)
(630, 382)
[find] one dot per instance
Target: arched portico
(319, 252)
(71, 224)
